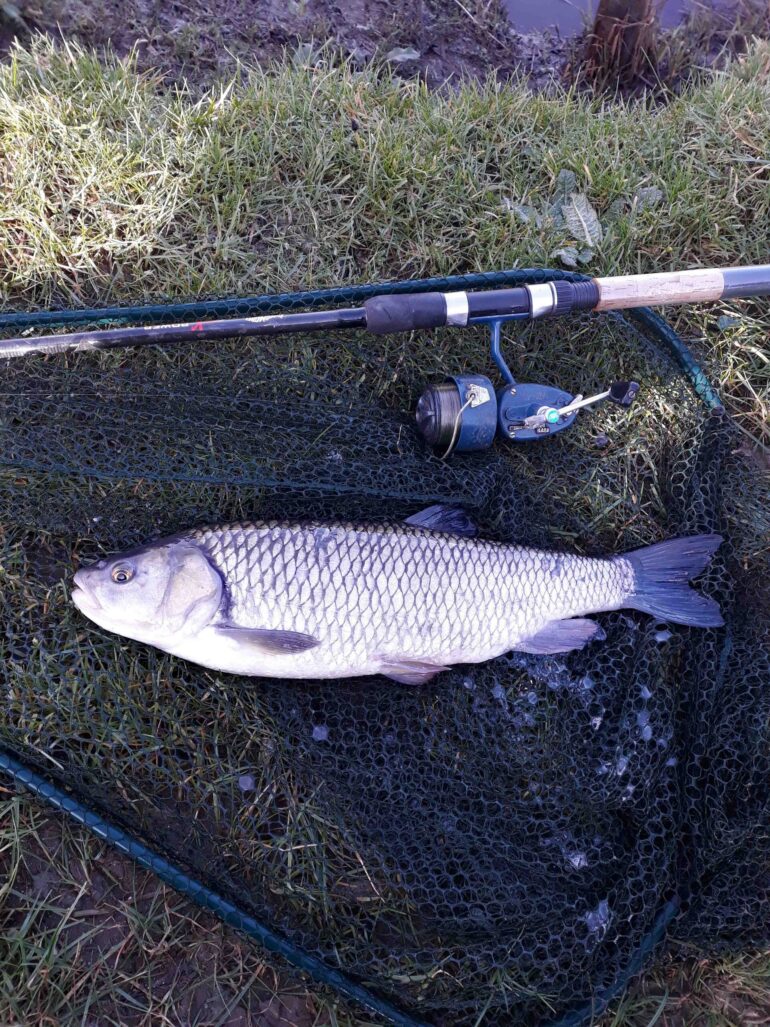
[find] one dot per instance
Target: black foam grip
(385, 314)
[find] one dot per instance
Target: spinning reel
(465, 412)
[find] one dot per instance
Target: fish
(406, 600)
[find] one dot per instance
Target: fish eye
(121, 574)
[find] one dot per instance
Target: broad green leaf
(566, 184)
(524, 212)
(582, 220)
(616, 210)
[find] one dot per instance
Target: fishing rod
(464, 412)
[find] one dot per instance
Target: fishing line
(456, 428)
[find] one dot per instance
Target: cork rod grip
(659, 289)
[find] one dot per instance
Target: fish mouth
(82, 596)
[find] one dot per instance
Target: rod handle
(671, 287)
(405, 313)
(659, 289)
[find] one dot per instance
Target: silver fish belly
(340, 600)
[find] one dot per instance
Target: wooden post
(622, 43)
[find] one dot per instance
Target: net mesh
(501, 842)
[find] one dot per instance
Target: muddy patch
(438, 40)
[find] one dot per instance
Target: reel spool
(465, 413)
(458, 414)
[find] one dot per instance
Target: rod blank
(402, 312)
(144, 335)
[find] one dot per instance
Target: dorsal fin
(451, 519)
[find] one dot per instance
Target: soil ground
(147, 956)
(439, 40)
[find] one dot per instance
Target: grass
(88, 935)
(710, 36)
(114, 190)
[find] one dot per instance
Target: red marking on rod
(197, 327)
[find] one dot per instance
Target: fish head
(156, 594)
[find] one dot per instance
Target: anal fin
(562, 636)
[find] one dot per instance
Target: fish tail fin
(661, 574)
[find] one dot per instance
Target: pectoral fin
(561, 636)
(410, 672)
(268, 641)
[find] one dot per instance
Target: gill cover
(193, 592)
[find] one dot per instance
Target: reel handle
(622, 393)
